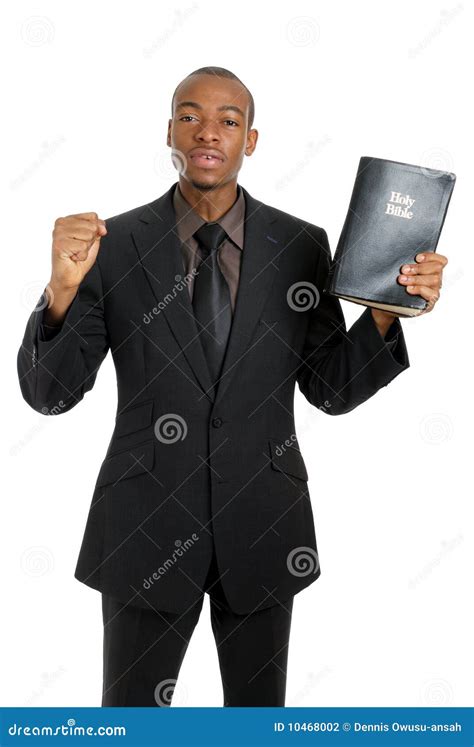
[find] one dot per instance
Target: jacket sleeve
(340, 369)
(58, 365)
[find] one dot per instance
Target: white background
(86, 104)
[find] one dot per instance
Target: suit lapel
(158, 245)
(257, 273)
(157, 242)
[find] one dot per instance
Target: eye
(189, 117)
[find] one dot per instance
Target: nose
(208, 132)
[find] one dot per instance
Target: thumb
(93, 251)
(102, 229)
(88, 256)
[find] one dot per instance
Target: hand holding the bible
(425, 277)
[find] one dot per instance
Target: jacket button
(217, 422)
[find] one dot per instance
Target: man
(211, 303)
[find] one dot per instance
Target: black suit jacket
(185, 468)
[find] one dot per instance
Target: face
(208, 130)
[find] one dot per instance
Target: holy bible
(396, 211)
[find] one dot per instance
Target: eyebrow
(226, 107)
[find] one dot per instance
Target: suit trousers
(144, 648)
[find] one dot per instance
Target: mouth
(206, 162)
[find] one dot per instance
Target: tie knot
(210, 236)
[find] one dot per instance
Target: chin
(204, 186)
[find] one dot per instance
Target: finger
(91, 219)
(431, 257)
(67, 249)
(424, 291)
(96, 222)
(80, 229)
(87, 254)
(82, 233)
(85, 216)
(432, 281)
(80, 256)
(428, 268)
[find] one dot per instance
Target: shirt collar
(189, 220)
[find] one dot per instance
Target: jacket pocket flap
(288, 459)
(128, 463)
(134, 418)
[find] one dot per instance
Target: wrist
(383, 320)
(60, 289)
(59, 301)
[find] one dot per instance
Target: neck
(210, 204)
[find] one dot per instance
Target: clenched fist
(76, 241)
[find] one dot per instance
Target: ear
(252, 137)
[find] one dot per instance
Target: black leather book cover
(396, 211)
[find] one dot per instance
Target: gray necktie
(211, 298)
